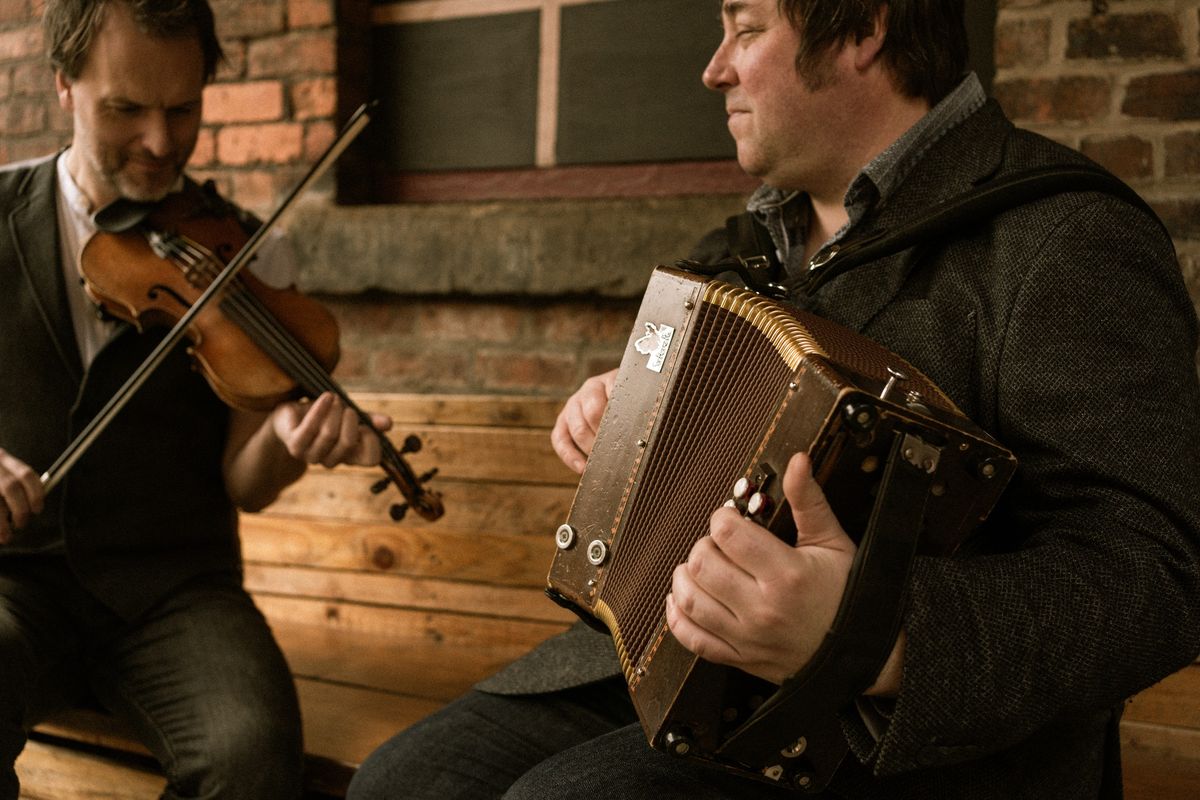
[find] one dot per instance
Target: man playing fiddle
(124, 583)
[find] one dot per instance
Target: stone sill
(535, 248)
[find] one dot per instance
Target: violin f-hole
(153, 294)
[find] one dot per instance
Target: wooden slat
(345, 724)
(401, 626)
(474, 410)
(490, 454)
(432, 655)
(93, 727)
(1175, 700)
(344, 495)
(430, 552)
(405, 668)
(404, 592)
(485, 453)
(1160, 762)
(50, 772)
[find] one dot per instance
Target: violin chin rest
(122, 215)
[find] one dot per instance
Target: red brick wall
(270, 112)
(472, 345)
(1123, 87)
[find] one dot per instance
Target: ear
(866, 50)
(62, 88)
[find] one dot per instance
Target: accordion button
(564, 537)
(758, 504)
(597, 552)
(987, 468)
(795, 749)
(678, 743)
(742, 489)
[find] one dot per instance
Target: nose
(156, 133)
(719, 75)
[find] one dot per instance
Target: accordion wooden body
(718, 388)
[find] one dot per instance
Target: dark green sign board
(629, 86)
(457, 94)
(463, 93)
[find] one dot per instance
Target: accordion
(718, 387)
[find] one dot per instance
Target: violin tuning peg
(398, 511)
(379, 485)
(412, 444)
(424, 478)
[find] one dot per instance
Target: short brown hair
(925, 47)
(69, 26)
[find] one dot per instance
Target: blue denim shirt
(785, 214)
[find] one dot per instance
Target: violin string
(249, 313)
(265, 329)
(268, 335)
(262, 325)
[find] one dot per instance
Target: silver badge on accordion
(656, 343)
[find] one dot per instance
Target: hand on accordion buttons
(575, 429)
(746, 599)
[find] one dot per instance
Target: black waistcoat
(145, 508)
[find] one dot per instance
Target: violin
(177, 263)
(256, 345)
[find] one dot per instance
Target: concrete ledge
(533, 248)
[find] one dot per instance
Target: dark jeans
(578, 744)
(199, 677)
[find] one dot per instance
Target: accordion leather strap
(754, 261)
(865, 628)
(950, 218)
(749, 241)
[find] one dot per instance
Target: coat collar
(966, 156)
(32, 221)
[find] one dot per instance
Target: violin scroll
(428, 504)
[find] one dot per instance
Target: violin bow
(58, 470)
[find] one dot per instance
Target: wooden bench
(384, 622)
(381, 622)
(1160, 739)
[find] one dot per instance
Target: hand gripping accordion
(718, 387)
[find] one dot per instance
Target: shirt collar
(786, 217)
(77, 204)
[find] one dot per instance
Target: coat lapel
(32, 223)
(966, 156)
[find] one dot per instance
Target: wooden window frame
(362, 180)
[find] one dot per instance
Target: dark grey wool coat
(1064, 329)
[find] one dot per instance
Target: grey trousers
(199, 677)
(578, 744)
